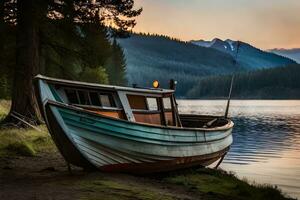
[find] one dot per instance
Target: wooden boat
(123, 129)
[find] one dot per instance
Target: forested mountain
(275, 83)
(248, 55)
(151, 57)
(289, 53)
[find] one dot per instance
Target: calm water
(266, 147)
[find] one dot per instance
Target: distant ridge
(151, 57)
(289, 53)
(274, 83)
(248, 55)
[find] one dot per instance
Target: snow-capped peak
(227, 45)
(202, 43)
(230, 42)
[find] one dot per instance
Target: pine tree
(31, 17)
(116, 65)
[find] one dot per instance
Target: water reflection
(266, 146)
(257, 138)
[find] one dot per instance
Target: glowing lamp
(155, 84)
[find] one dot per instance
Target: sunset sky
(263, 23)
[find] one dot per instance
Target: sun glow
(265, 24)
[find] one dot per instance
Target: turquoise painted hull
(106, 142)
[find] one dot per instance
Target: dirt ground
(46, 176)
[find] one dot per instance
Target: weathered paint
(108, 143)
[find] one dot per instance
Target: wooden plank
(126, 106)
(148, 118)
(162, 110)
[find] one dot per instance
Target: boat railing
(88, 107)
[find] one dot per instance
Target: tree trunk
(1, 25)
(2, 11)
(27, 62)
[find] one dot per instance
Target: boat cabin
(144, 105)
(155, 106)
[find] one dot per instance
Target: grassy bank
(207, 184)
(20, 141)
(24, 142)
(224, 185)
(32, 168)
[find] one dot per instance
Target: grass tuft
(21, 149)
(20, 141)
(4, 108)
(24, 142)
(219, 182)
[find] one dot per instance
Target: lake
(266, 147)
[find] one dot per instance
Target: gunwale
(148, 136)
(104, 87)
(227, 126)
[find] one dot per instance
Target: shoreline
(31, 167)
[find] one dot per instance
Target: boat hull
(163, 166)
(98, 142)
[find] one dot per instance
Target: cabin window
(95, 99)
(72, 96)
(152, 103)
(105, 100)
(137, 102)
(145, 109)
(83, 98)
(167, 103)
(90, 98)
